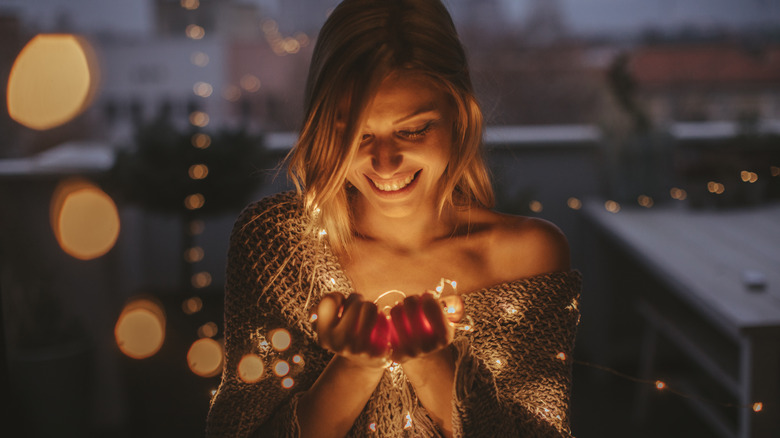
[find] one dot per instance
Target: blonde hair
(361, 43)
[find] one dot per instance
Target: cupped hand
(353, 328)
(418, 326)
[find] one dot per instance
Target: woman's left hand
(418, 327)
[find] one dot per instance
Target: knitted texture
(513, 368)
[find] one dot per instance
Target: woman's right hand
(353, 328)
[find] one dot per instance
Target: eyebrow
(427, 108)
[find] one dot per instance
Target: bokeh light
(195, 32)
(716, 187)
(678, 193)
(208, 330)
(201, 280)
(645, 201)
(194, 254)
(84, 219)
(205, 357)
(202, 89)
(199, 119)
(280, 339)
(140, 328)
(281, 368)
(190, 4)
(200, 59)
(201, 141)
(535, 206)
(196, 227)
(194, 201)
(574, 203)
(288, 382)
(52, 81)
(250, 368)
(192, 305)
(198, 171)
(250, 83)
(612, 206)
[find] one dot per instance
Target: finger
(417, 329)
(401, 330)
(327, 317)
(346, 326)
(367, 319)
(442, 330)
(453, 308)
(427, 332)
(380, 336)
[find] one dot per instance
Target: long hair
(361, 43)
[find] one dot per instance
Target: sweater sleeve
(513, 369)
(250, 403)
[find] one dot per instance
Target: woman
(393, 196)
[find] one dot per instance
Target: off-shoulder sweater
(513, 366)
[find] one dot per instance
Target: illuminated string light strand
(663, 386)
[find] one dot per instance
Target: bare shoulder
(523, 247)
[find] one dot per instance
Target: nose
(386, 157)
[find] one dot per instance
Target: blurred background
(133, 132)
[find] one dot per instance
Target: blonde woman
(393, 197)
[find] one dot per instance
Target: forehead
(403, 95)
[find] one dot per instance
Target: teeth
(397, 185)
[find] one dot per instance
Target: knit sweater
(513, 366)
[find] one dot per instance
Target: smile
(394, 186)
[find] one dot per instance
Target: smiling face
(405, 146)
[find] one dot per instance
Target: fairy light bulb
(281, 368)
(758, 407)
(288, 382)
(280, 339)
(660, 385)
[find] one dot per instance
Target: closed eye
(416, 134)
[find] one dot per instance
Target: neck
(405, 234)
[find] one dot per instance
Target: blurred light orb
(84, 219)
(190, 4)
(250, 83)
(250, 368)
(612, 206)
(199, 59)
(774, 170)
(140, 329)
(52, 81)
(716, 187)
(194, 254)
(198, 171)
(535, 206)
(199, 119)
(297, 359)
(280, 339)
(205, 357)
(201, 280)
(281, 368)
(574, 203)
(208, 330)
(288, 382)
(194, 201)
(192, 305)
(645, 201)
(195, 32)
(678, 193)
(202, 89)
(201, 141)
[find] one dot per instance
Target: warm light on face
(52, 81)
(205, 357)
(84, 219)
(250, 368)
(140, 329)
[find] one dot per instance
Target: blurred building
(708, 82)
